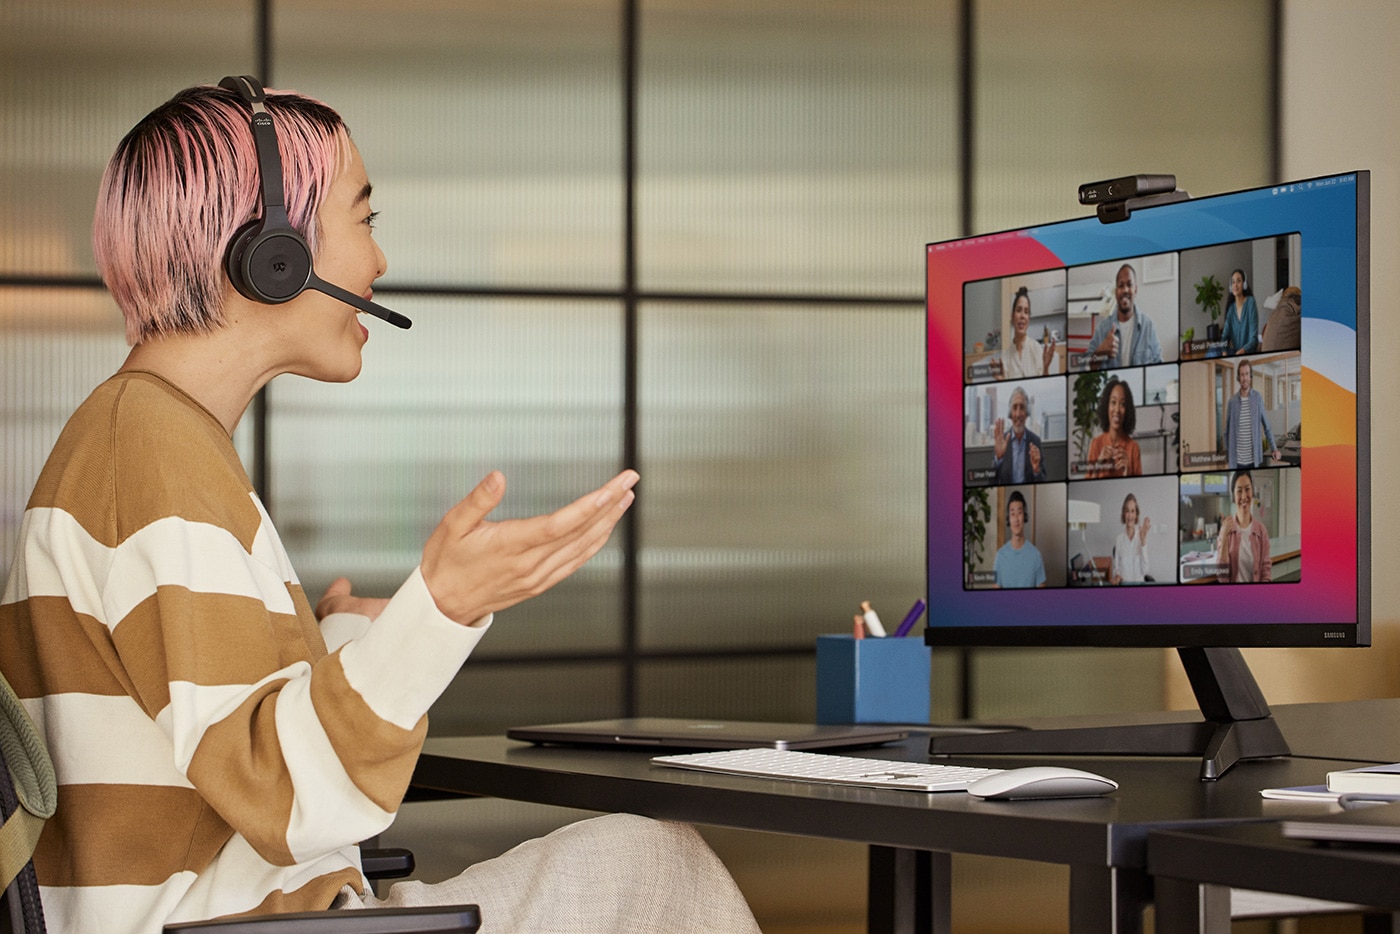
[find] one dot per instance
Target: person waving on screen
(1130, 551)
(1017, 455)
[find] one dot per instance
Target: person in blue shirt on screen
(1127, 338)
(1018, 562)
(1241, 331)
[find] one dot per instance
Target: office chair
(21, 911)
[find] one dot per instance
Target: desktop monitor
(1116, 454)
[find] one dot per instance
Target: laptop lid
(682, 733)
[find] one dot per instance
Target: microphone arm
(350, 298)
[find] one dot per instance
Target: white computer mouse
(1041, 781)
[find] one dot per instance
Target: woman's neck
(222, 370)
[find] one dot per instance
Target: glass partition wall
(680, 235)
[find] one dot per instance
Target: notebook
(680, 733)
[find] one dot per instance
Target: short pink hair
(182, 182)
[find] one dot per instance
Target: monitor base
(1237, 725)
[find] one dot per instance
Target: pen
(911, 618)
(872, 619)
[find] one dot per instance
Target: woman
(1241, 333)
(154, 602)
(1024, 357)
(1242, 548)
(1113, 452)
(1130, 551)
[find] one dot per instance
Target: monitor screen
(1116, 453)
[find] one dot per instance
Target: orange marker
(872, 620)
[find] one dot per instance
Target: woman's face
(1021, 315)
(1244, 497)
(1117, 407)
(322, 337)
(1236, 284)
(1130, 513)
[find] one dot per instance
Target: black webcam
(1129, 186)
(1114, 199)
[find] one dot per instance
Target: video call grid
(1191, 473)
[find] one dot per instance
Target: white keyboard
(823, 767)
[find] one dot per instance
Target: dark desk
(1102, 840)
(1194, 870)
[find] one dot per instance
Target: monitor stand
(1237, 724)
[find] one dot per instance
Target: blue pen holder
(872, 680)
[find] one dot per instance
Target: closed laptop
(682, 733)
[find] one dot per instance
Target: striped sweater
(213, 758)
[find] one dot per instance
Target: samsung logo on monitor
(1334, 635)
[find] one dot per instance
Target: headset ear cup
(233, 258)
(275, 265)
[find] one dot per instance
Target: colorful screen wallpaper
(1094, 390)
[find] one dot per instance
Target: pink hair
(182, 182)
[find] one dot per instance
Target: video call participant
(1130, 550)
(1242, 548)
(1025, 357)
(1241, 332)
(154, 603)
(1113, 452)
(1246, 425)
(1016, 454)
(1128, 337)
(1018, 563)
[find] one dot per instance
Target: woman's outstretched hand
(473, 566)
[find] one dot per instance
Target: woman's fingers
(473, 566)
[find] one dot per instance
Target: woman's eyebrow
(363, 195)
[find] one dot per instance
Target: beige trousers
(607, 875)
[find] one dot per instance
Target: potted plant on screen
(1209, 294)
(1087, 387)
(977, 512)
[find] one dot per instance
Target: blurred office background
(686, 236)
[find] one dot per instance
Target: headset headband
(264, 138)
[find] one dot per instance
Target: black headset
(267, 260)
